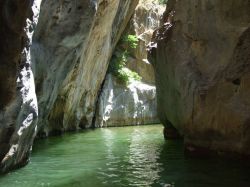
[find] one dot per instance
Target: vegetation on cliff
(119, 59)
(162, 1)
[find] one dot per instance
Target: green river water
(127, 156)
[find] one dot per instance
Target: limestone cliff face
(145, 20)
(121, 105)
(71, 50)
(18, 103)
(135, 103)
(202, 65)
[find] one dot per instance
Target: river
(125, 156)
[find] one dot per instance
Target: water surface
(116, 157)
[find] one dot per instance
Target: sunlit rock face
(145, 20)
(73, 45)
(18, 103)
(118, 105)
(133, 104)
(202, 65)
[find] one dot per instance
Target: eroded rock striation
(18, 103)
(72, 46)
(202, 65)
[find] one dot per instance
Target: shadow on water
(207, 172)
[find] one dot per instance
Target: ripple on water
(116, 157)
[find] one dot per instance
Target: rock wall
(18, 103)
(135, 103)
(145, 20)
(72, 47)
(70, 51)
(121, 105)
(202, 65)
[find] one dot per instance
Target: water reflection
(142, 164)
(117, 157)
(132, 162)
(108, 171)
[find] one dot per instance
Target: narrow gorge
(71, 68)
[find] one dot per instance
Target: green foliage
(131, 40)
(133, 75)
(125, 76)
(118, 62)
(162, 1)
(118, 69)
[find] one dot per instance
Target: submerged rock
(18, 103)
(118, 105)
(202, 67)
(73, 44)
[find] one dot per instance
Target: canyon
(55, 60)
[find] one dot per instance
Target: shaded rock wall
(18, 103)
(202, 67)
(71, 50)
